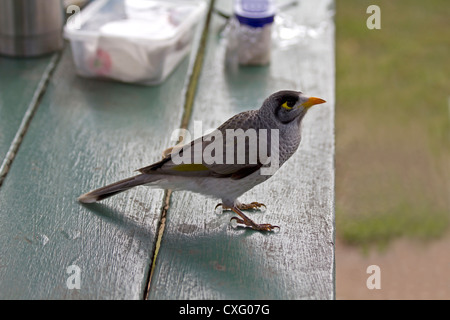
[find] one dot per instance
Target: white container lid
(134, 19)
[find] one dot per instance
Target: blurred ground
(392, 149)
(409, 269)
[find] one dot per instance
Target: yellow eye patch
(285, 105)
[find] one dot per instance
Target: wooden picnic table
(62, 135)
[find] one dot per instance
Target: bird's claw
(243, 206)
(252, 205)
(252, 225)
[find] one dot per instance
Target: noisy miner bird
(212, 165)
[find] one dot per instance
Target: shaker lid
(255, 13)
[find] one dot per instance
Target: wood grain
(20, 85)
(85, 134)
(201, 255)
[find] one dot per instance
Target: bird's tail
(114, 188)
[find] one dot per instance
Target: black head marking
(284, 102)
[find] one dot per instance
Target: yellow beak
(312, 101)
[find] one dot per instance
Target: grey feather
(115, 188)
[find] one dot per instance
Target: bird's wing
(211, 155)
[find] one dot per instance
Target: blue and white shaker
(254, 30)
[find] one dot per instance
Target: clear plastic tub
(136, 41)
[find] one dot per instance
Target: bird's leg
(243, 206)
(250, 223)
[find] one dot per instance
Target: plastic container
(135, 41)
(254, 30)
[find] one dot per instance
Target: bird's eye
(288, 105)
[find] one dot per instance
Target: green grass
(392, 121)
(404, 221)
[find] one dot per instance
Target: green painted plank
(85, 134)
(19, 79)
(201, 255)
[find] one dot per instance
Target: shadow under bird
(211, 165)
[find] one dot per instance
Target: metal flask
(30, 27)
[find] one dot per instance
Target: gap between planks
(28, 116)
(189, 96)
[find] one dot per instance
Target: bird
(243, 152)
